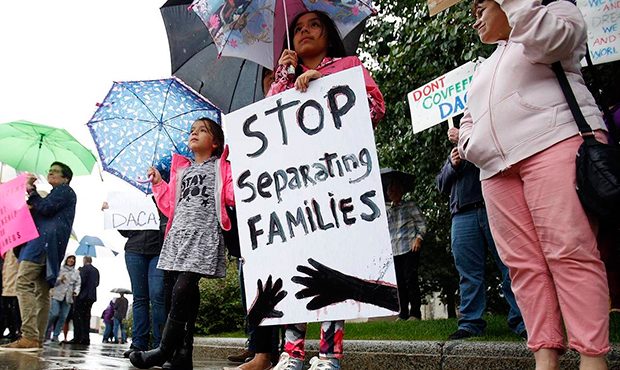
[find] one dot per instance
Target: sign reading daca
(130, 211)
(440, 99)
(307, 186)
(603, 20)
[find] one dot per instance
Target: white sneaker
(324, 364)
(287, 362)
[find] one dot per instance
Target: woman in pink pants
(519, 131)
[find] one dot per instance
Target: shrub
(220, 303)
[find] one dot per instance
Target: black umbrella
(230, 83)
(389, 174)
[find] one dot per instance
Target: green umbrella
(32, 147)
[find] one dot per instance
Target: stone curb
(423, 355)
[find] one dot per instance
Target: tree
(408, 49)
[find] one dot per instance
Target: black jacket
(90, 281)
(462, 183)
(146, 241)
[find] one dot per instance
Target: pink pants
(545, 238)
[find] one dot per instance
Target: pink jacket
(166, 194)
(332, 65)
(515, 106)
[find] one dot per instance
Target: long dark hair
(335, 46)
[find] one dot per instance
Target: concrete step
(422, 355)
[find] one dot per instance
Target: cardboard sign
(130, 212)
(603, 20)
(440, 99)
(16, 223)
(307, 186)
(435, 6)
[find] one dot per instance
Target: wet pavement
(94, 357)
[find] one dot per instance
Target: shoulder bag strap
(584, 129)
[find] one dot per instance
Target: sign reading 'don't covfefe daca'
(307, 185)
(16, 224)
(603, 20)
(440, 99)
(129, 211)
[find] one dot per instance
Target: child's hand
(105, 205)
(154, 175)
(304, 79)
(288, 58)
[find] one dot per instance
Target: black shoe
(171, 338)
(130, 350)
(460, 334)
(182, 358)
(523, 335)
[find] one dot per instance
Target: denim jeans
(471, 238)
(118, 325)
(58, 314)
(107, 333)
(147, 285)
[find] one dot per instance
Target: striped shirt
(406, 222)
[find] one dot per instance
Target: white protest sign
(129, 211)
(603, 20)
(307, 185)
(440, 99)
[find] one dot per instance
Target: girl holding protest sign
(194, 202)
(317, 51)
(519, 130)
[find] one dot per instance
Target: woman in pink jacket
(194, 202)
(519, 131)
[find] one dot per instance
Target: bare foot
(261, 361)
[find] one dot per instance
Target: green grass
(433, 330)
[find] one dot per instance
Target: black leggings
(182, 295)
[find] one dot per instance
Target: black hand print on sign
(328, 286)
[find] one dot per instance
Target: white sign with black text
(128, 211)
(309, 200)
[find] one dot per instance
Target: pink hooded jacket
(515, 106)
(328, 65)
(166, 194)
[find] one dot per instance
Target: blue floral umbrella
(141, 123)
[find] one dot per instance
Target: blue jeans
(57, 316)
(471, 238)
(107, 333)
(118, 325)
(147, 285)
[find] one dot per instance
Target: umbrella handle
(149, 179)
(288, 37)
